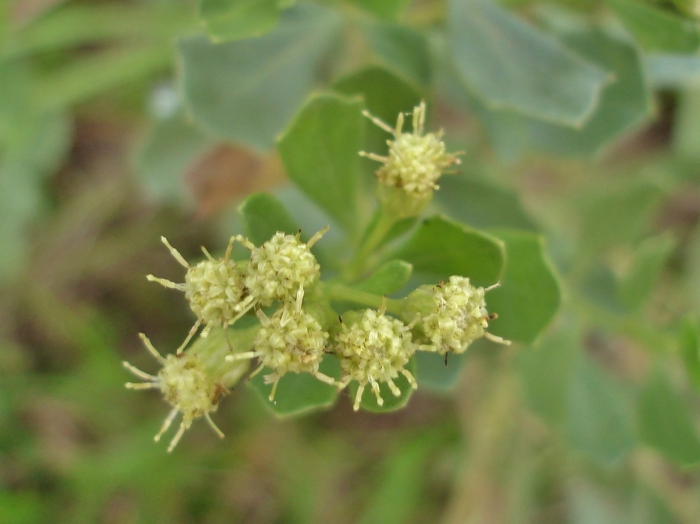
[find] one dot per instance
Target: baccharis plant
(300, 320)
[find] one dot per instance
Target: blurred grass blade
(92, 74)
(649, 259)
(74, 25)
(227, 20)
(657, 29)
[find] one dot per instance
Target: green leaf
(657, 29)
(248, 90)
(442, 248)
(173, 145)
(665, 423)
(301, 393)
(391, 403)
(390, 9)
(545, 371)
(482, 204)
(227, 20)
(435, 376)
(638, 283)
(401, 48)
(690, 349)
(320, 153)
(624, 104)
(686, 132)
(617, 215)
(391, 277)
(599, 408)
(511, 65)
(263, 215)
(529, 295)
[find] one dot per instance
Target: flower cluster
(414, 164)
(297, 327)
(451, 315)
(191, 382)
(374, 348)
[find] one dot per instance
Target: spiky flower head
(291, 340)
(416, 160)
(451, 315)
(374, 348)
(190, 387)
(282, 268)
(214, 288)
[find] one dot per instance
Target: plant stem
(341, 292)
(379, 230)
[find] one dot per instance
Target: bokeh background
(116, 128)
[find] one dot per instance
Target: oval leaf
(301, 393)
(665, 423)
(511, 65)
(599, 422)
(389, 278)
(263, 215)
(320, 153)
(529, 294)
(441, 248)
(249, 89)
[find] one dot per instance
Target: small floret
(374, 348)
(291, 340)
(452, 315)
(214, 288)
(186, 385)
(416, 160)
(282, 268)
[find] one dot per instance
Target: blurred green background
(121, 121)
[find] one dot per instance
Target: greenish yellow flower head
(374, 348)
(452, 315)
(214, 288)
(186, 384)
(281, 268)
(289, 341)
(416, 160)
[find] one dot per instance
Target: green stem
(340, 292)
(379, 230)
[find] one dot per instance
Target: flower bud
(292, 340)
(281, 268)
(414, 164)
(374, 348)
(214, 289)
(450, 315)
(192, 382)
